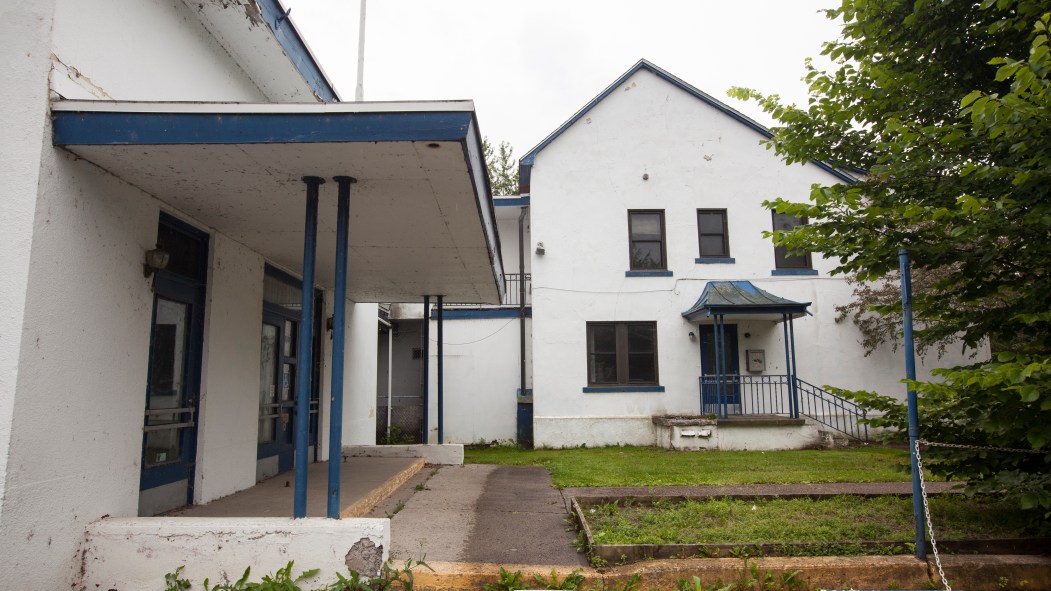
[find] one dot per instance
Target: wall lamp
(692, 336)
(156, 260)
(540, 248)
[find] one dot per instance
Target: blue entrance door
(714, 395)
(169, 442)
(277, 391)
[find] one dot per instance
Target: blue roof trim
(516, 202)
(526, 163)
(474, 313)
(786, 272)
(296, 50)
(599, 389)
(715, 260)
(113, 128)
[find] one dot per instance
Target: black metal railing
(772, 395)
(512, 291)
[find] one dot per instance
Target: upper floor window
(622, 353)
(646, 233)
(712, 233)
(782, 259)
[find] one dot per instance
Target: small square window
(782, 258)
(622, 353)
(712, 233)
(646, 235)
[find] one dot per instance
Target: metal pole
(390, 372)
(426, 364)
(441, 374)
(795, 369)
(339, 339)
(914, 418)
(521, 303)
(359, 90)
(788, 358)
(305, 353)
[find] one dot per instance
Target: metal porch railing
(512, 288)
(772, 395)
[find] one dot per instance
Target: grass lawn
(838, 519)
(651, 466)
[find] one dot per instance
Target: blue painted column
(339, 337)
(426, 365)
(914, 415)
(304, 356)
(441, 377)
(795, 375)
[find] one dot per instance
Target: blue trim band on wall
(786, 272)
(111, 128)
(597, 389)
(648, 273)
(458, 314)
(296, 50)
(516, 202)
(715, 261)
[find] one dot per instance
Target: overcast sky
(530, 65)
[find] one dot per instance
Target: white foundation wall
(694, 157)
(228, 431)
(142, 50)
(25, 39)
(482, 379)
(76, 439)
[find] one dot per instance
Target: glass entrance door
(169, 438)
(277, 394)
(730, 394)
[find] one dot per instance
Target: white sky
(529, 66)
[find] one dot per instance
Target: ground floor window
(622, 353)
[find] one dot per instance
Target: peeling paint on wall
(60, 68)
(251, 10)
(365, 557)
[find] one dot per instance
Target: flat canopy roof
(741, 297)
(421, 215)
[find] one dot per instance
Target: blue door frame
(280, 414)
(174, 369)
(709, 360)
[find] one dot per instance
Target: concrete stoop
(970, 572)
(362, 506)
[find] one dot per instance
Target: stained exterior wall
(693, 156)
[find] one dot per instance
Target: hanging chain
(982, 447)
(927, 514)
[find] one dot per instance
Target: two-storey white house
(653, 291)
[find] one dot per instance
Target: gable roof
(740, 297)
(526, 163)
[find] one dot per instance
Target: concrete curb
(971, 572)
(375, 496)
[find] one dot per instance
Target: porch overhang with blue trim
(421, 214)
(725, 298)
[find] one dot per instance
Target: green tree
(943, 111)
(503, 171)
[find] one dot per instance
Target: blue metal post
(441, 377)
(914, 416)
(794, 381)
(339, 323)
(719, 319)
(426, 364)
(306, 341)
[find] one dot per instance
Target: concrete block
(448, 454)
(135, 553)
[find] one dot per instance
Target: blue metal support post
(441, 377)
(721, 362)
(339, 324)
(914, 415)
(794, 380)
(426, 354)
(306, 341)
(788, 359)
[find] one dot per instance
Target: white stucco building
(159, 165)
(646, 227)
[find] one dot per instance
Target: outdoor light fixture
(693, 337)
(540, 248)
(156, 260)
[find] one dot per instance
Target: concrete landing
(364, 483)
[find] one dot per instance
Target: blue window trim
(715, 261)
(648, 274)
(515, 202)
(600, 389)
(464, 314)
(786, 272)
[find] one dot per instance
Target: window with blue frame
(622, 353)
